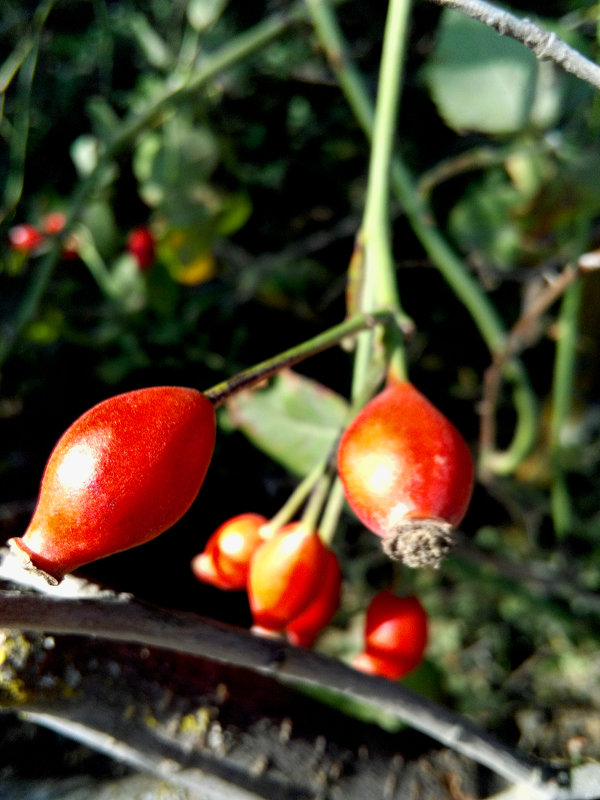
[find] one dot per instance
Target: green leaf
(482, 220)
(295, 420)
(481, 81)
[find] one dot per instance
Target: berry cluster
(293, 580)
(33, 240)
(132, 465)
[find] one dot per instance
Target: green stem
(248, 378)
(328, 524)
(312, 511)
(562, 397)
(236, 50)
(95, 263)
(297, 498)
(380, 286)
(449, 264)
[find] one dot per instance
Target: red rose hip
(121, 474)
(285, 576)
(225, 560)
(407, 474)
(304, 629)
(396, 633)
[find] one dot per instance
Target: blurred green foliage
(253, 187)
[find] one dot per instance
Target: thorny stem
(248, 378)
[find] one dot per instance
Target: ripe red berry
(121, 474)
(25, 238)
(285, 575)
(395, 636)
(141, 245)
(407, 474)
(54, 222)
(304, 629)
(225, 559)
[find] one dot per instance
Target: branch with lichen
(78, 608)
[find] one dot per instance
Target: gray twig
(545, 44)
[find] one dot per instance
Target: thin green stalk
(240, 47)
(318, 496)
(449, 264)
(248, 378)
(380, 285)
(377, 285)
(297, 498)
(328, 524)
(562, 397)
(95, 263)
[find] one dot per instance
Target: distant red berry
(141, 245)
(54, 222)
(25, 238)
